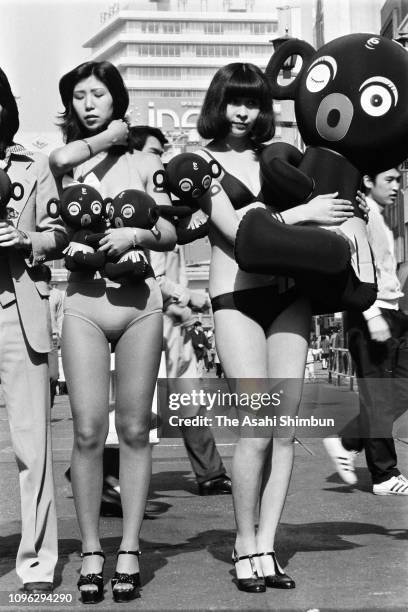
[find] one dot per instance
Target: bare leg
(86, 358)
(287, 349)
(137, 364)
(238, 335)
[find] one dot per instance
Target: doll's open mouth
(334, 117)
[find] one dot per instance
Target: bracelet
(134, 241)
(91, 153)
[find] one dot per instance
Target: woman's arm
(324, 209)
(64, 159)
(217, 205)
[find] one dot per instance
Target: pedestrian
(310, 367)
(56, 301)
(101, 315)
(28, 237)
(262, 324)
(218, 368)
(378, 343)
(325, 346)
(200, 345)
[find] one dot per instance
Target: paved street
(346, 548)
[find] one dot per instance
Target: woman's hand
(327, 209)
(362, 204)
(118, 131)
(11, 236)
(117, 240)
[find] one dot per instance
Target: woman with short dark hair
(262, 323)
(99, 311)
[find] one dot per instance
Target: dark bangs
(237, 80)
(248, 82)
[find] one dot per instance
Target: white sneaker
(343, 459)
(396, 485)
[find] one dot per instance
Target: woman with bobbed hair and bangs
(262, 324)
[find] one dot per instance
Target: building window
(213, 28)
(150, 27)
(172, 27)
(134, 94)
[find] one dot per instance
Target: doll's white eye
(127, 211)
(96, 207)
(321, 72)
(206, 182)
(186, 184)
(378, 94)
(74, 209)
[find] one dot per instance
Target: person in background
(378, 343)
(56, 300)
(325, 346)
(200, 345)
(147, 139)
(310, 365)
(28, 237)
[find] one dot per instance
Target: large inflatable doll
(186, 178)
(351, 106)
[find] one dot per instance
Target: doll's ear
(20, 191)
(53, 208)
(159, 179)
(294, 46)
(215, 168)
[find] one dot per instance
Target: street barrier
(341, 367)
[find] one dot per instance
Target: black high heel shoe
(254, 584)
(121, 595)
(91, 596)
(279, 580)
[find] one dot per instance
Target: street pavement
(345, 547)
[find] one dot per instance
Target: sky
(40, 40)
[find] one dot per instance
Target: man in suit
(28, 237)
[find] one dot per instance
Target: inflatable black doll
(186, 177)
(131, 208)
(351, 106)
(82, 209)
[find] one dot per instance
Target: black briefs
(262, 304)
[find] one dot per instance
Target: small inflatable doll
(131, 208)
(82, 209)
(186, 178)
(351, 106)
(8, 191)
